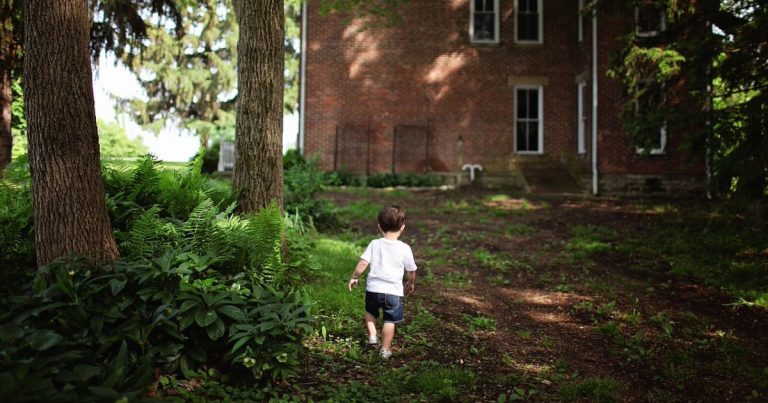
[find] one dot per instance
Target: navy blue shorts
(392, 305)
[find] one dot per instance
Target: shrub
(303, 181)
(196, 286)
(16, 237)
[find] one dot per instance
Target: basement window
(484, 21)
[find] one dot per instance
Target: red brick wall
(425, 72)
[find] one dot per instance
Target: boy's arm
(410, 286)
(361, 266)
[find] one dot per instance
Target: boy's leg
(387, 334)
(370, 324)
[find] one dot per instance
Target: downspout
(594, 101)
(302, 77)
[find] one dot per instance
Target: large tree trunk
(6, 54)
(67, 190)
(259, 135)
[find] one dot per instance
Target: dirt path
(544, 297)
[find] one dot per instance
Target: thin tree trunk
(258, 172)
(6, 53)
(67, 190)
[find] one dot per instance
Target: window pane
(522, 104)
(533, 136)
(479, 5)
(533, 104)
(522, 136)
(533, 6)
(528, 27)
(523, 6)
(484, 27)
(489, 6)
(648, 19)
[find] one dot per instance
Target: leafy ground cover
(525, 297)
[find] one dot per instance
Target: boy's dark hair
(391, 218)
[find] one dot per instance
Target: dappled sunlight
(441, 71)
(456, 4)
(540, 297)
(444, 66)
(507, 203)
(549, 317)
(365, 49)
(530, 368)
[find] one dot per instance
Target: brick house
(507, 84)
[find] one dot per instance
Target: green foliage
(438, 382)
(18, 121)
(480, 322)
(196, 286)
(710, 89)
(303, 180)
(342, 178)
(188, 71)
(602, 390)
(114, 141)
(376, 13)
(16, 237)
(359, 210)
(409, 180)
(717, 250)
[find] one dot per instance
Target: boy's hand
(352, 283)
(409, 287)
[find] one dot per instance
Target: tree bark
(6, 54)
(67, 190)
(258, 175)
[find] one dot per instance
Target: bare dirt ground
(544, 294)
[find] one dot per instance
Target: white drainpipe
(594, 101)
(302, 77)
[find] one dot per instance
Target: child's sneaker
(372, 341)
(385, 354)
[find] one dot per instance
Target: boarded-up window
(352, 149)
(411, 149)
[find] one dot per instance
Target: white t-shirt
(388, 260)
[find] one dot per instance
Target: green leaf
(117, 285)
(86, 372)
(205, 317)
(42, 340)
(106, 393)
(233, 312)
(216, 330)
(239, 344)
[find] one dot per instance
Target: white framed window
(581, 123)
(529, 127)
(529, 21)
(580, 34)
(651, 95)
(484, 21)
(649, 20)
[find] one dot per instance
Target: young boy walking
(389, 258)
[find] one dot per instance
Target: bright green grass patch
(435, 382)
(499, 197)
(588, 240)
(360, 209)
(603, 390)
(337, 307)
